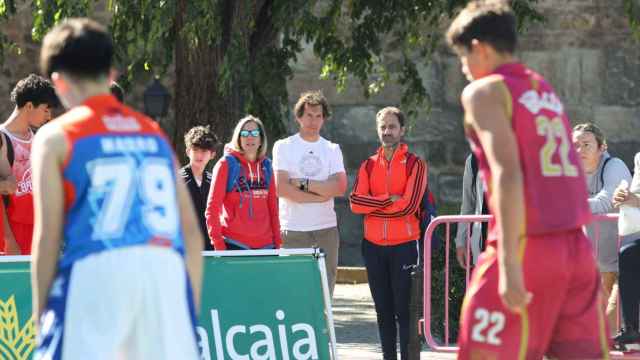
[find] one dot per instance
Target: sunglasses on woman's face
(252, 133)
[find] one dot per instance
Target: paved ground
(357, 333)
(355, 324)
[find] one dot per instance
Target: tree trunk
(199, 98)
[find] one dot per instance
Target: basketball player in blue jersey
(117, 265)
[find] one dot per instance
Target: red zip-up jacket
(388, 222)
(250, 214)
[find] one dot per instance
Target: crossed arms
(318, 191)
(387, 205)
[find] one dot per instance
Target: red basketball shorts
(23, 234)
(565, 318)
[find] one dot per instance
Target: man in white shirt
(309, 174)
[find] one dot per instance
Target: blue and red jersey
(119, 181)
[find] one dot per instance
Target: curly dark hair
(34, 89)
(312, 98)
(200, 137)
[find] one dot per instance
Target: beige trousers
(326, 239)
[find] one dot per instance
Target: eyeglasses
(252, 133)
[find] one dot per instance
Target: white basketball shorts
(127, 303)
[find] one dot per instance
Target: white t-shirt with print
(311, 160)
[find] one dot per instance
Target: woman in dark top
(200, 145)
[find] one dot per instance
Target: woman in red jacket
(242, 209)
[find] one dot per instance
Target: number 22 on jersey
(557, 141)
(120, 181)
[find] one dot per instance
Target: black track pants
(389, 272)
(629, 283)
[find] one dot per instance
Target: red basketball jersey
(20, 209)
(555, 191)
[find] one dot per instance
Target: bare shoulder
(50, 141)
(482, 91)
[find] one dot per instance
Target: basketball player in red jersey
(33, 98)
(535, 291)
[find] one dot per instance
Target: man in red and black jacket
(388, 191)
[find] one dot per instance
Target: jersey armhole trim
(508, 100)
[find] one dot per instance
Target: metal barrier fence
(467, 220)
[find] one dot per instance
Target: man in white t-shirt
(309, 174)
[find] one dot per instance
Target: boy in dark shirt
(200, 143)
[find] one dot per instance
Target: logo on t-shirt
(22, 167)
(310, 165)
(24, 184)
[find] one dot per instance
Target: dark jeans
(389, 272)
(629, 283)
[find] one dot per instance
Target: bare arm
(7, 186)
(8, 183)
(46, 159)
(482, 101)
(288, 191)
(193, 240)
(334, 186)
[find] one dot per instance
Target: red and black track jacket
(388, 222)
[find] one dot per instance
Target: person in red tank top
(33, 98)
(535, 290)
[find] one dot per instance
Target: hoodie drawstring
(248, 183)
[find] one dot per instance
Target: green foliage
(7, 9)
(357, 38)
(632, 9)
(252, 44)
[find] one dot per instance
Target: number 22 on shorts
(488, 325)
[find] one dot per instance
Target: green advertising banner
(262, 305)
(17, 336)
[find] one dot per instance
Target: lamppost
(156, 99)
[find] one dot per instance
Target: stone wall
(584, 49)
